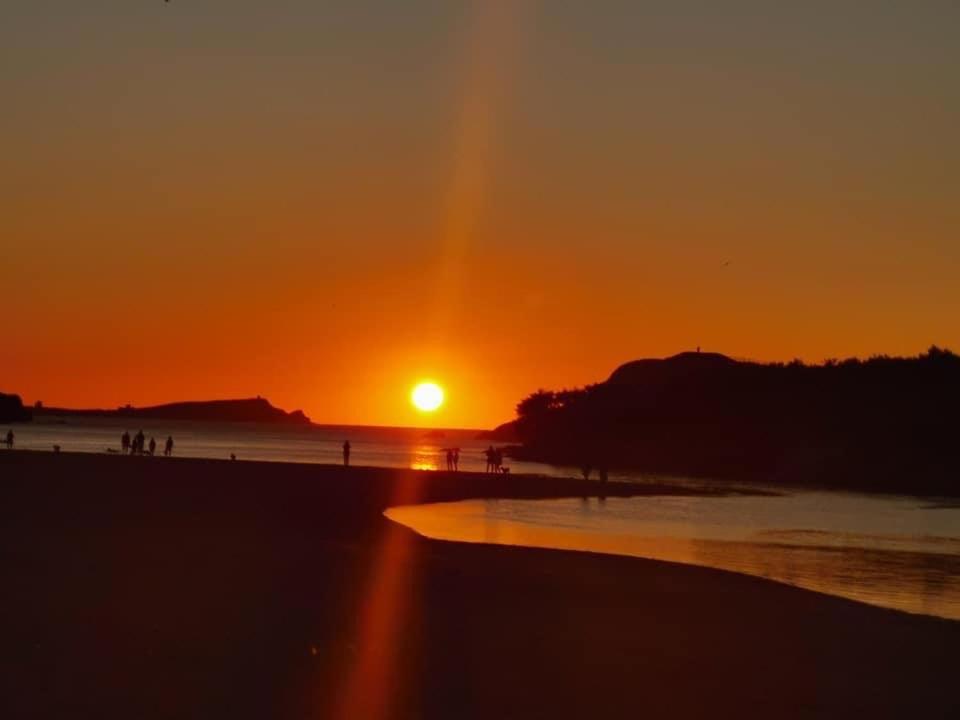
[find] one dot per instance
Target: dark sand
(150, 588)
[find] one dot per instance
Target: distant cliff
(877, 423)
(248, 410)
(12, 409)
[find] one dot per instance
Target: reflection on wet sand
(890, 574)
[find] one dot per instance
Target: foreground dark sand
(151, 588)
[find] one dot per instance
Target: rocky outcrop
(247, 410)
(12, 409)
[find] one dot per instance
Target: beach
(173, 587)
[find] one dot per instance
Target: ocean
(379, 446)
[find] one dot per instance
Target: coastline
(852, 478)
(171, 587)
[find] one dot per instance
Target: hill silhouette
(881, 423)
(12, 409)
(246, 410)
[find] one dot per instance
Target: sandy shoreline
(152, 588)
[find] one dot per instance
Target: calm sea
(896, 552)
(384, 447)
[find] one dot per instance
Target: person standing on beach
(491, 455)
(138, 443)
(125, 442)
(346, 453)
(456, 459)
(152, 447)
(9, 440)
(168, 448)
(449, 460)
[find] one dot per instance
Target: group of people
(453, 459)
(495, 461)
(135, 445)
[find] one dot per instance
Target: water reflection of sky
(889, 551)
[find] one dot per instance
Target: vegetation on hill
(881, 422)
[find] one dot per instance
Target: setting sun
(427, 396)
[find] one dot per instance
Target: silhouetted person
(491, 455)
(9, 439)
(346, 453)
(125, 442)
(456, 459)
(152, 446)
(138, 442)
(168, 448)
(449, 460)
(585, 469)
(497, 460)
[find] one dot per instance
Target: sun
(427, 396)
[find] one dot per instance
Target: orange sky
(322, 206)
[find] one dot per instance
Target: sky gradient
(323, 203)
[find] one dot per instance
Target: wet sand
(174, 588)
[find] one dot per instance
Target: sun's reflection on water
(425, 457)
